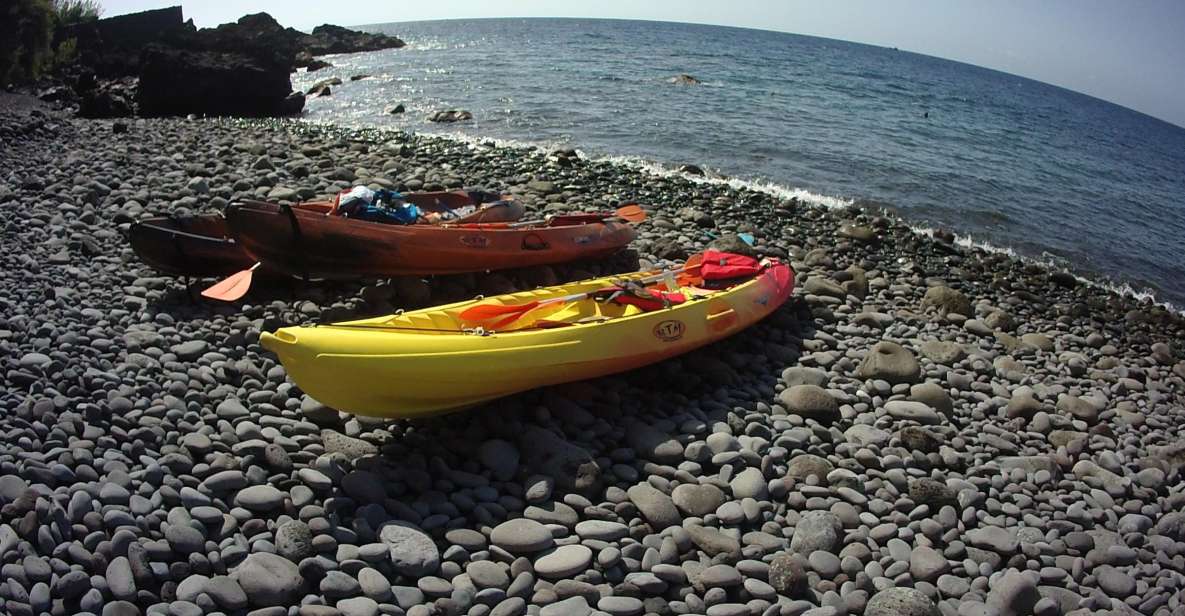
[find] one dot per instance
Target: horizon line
(814, 36)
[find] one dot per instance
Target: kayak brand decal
(475, 241)
(669, 330)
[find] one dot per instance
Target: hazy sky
(1131, 53)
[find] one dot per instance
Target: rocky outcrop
(112, 99)
(179, 82)
(111, 47)
(241, 68)
(327, 39)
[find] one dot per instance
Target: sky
(1130, 53)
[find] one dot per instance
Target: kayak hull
(203, 246)
(309, 245)
(198, 246)
(395, 373)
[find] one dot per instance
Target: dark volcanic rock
(327, 39)
(451, 115)
(241, 68)
(112, 99)
(179, 82)
(111, 47)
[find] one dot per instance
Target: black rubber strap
(297, 240)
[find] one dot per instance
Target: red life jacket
(719, 265)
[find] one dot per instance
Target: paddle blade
(485, 312)
(685, 275)
(631, 213)
(503, 322)
(232, 288)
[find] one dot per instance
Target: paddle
(513, 312)
(233, 287)
(632, 213)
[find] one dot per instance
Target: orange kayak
(198, 246)
(309, 244)
(203, 246)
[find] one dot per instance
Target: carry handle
(722, 319)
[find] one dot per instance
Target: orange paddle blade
(692, 263)
(631, 213)
(507, 320)
(232, 288)
(484, 312)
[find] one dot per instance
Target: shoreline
(922, 423)
(1113, 284)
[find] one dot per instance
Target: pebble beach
(924, 428)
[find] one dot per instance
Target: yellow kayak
(443, 358)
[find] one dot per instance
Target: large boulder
(656, 507)
(901, 602)
(450, 115)
(731, 242)
(413, 552)
(180, 82)
(816, 530)
(945, 300)
(269, 579)
(1014, 593)
(891, 362)
(110, 99)
(810, 401)
(787, 574)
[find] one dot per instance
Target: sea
(1005, 162)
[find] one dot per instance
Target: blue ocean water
(1019, 164)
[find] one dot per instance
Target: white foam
(762, 186)
(638, 163)
(1120, 288)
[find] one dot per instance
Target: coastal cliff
(155, 63)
